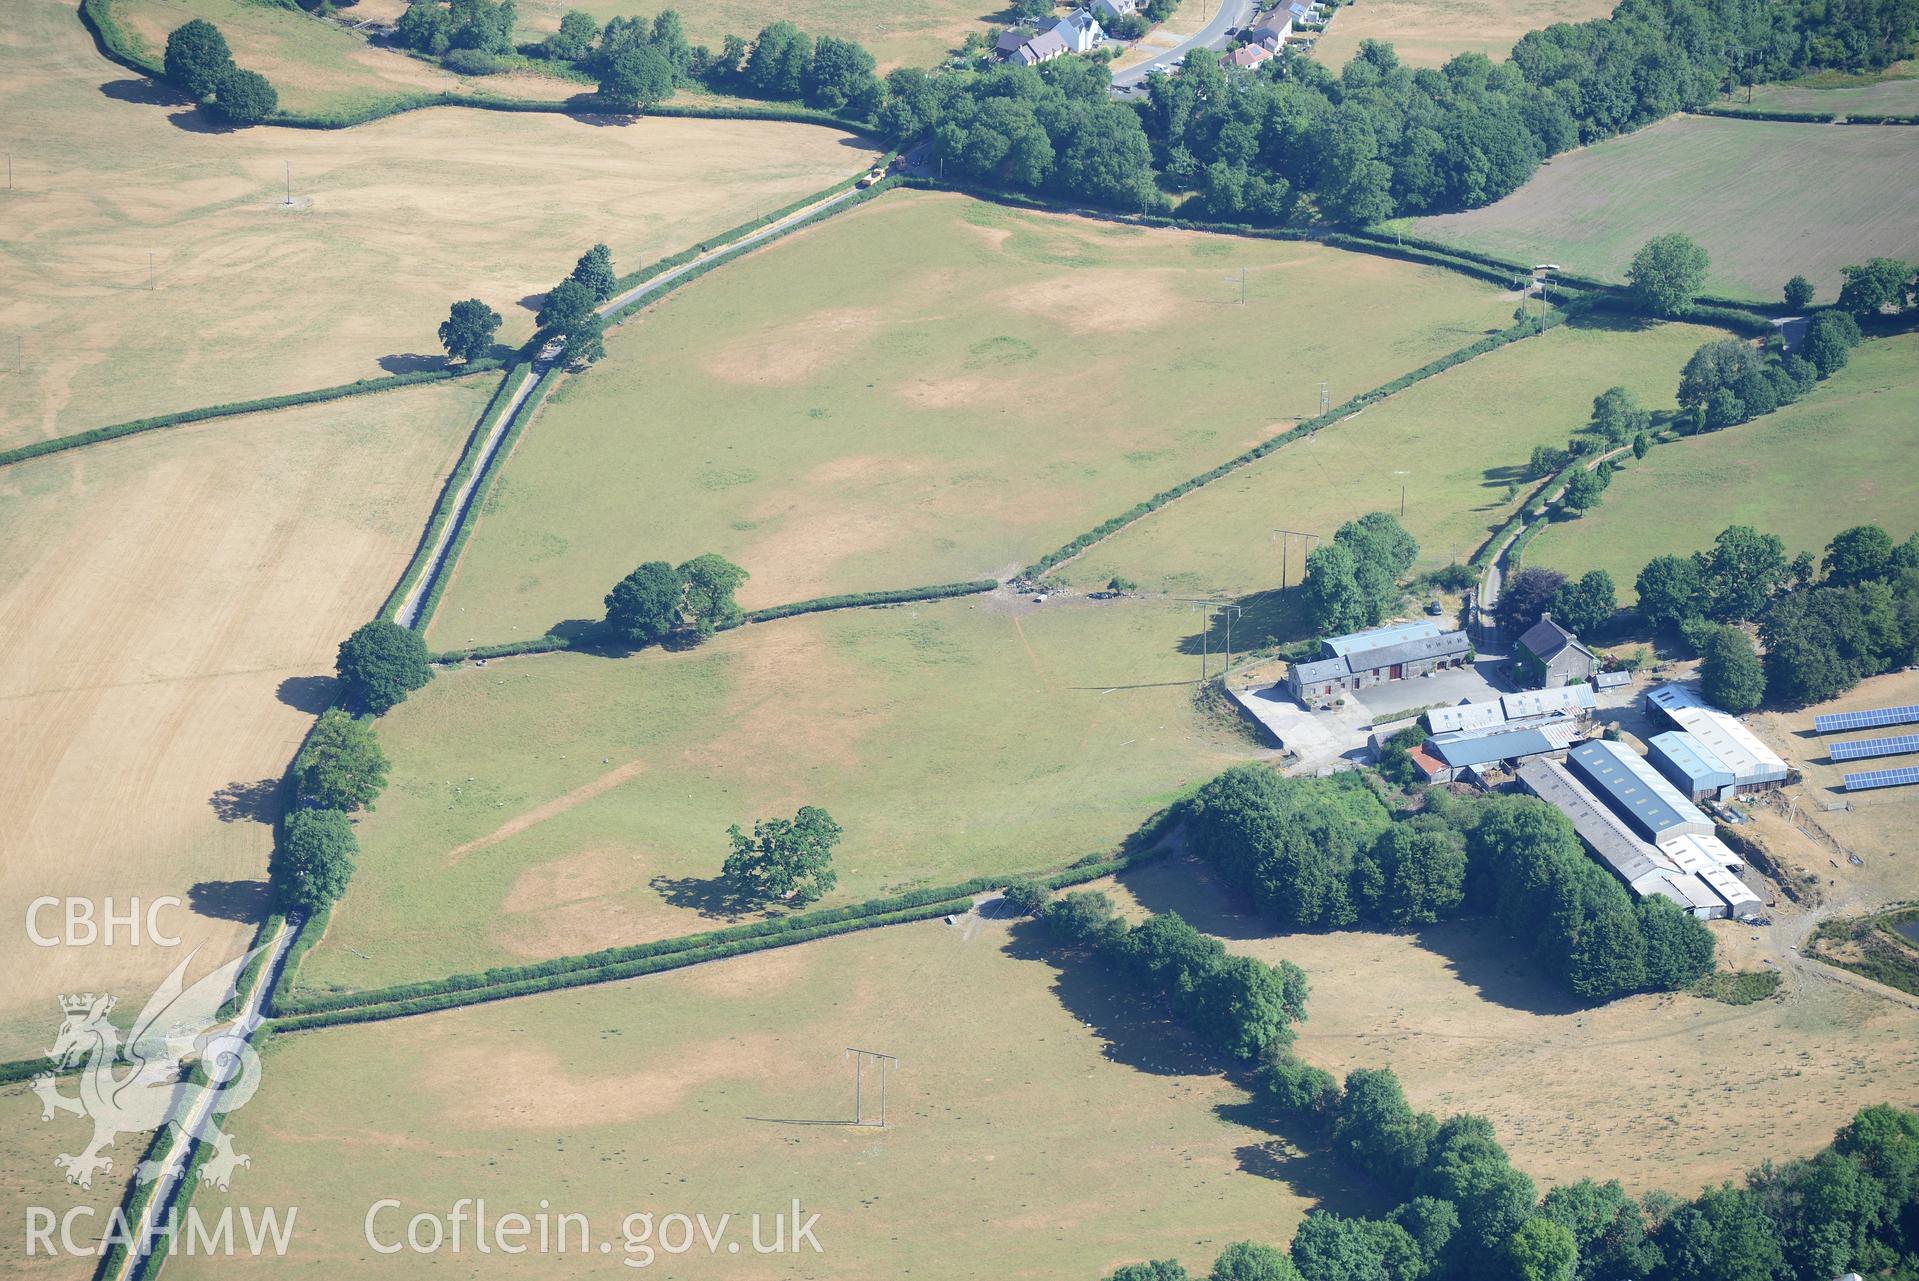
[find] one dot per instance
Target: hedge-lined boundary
(727, 237)
(1416, 249)
(450, 491)
(613, 964)
(134, 1204)
(250, 973)
(551, 644)
(117, 44)
(1099, 533)
(365, 386)
(470, 515)
(1777, 117)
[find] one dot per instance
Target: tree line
(1326, 853)
(1825, 624)
(1465, 1211)
(1294, 140)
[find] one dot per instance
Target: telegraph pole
(859, 1059)
(1287, 535)
(289, 184)
(150, 276)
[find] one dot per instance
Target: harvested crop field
(1838, 458)
(172, 604)
(928, 389)
(1456, 442)
(390, 223)
(315, 65)
(1455, 1011)
(1429, 33)
(907, 33)
(554, 805)
(725, 1089)
(1833, 195)
(1894, 93)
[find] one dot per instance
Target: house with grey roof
(1080, 30)
(1044, 47)
(1552, 656)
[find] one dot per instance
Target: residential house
(1271, 34)
(1080, 30)
(1299, 10)
(1044, 47)
(1010, 42)
(1553, 656)
(1113, 10)
(1249, 55)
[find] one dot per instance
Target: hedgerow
(299, 1013)
(365, 386)
(469, 514)
(1491, 342)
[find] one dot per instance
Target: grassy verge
(449, 493)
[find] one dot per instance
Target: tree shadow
(199, 120)
(708, 896)
(1495, 966)
(1182, 883)
(1610, 321)
(1138, 1031)
(147, 93)
(1270, 617)
(255, 802)
(246, 901)
(309, 694)
(1297, 1157)
(412, 363)
(533, 302)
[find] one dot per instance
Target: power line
(859, 1062)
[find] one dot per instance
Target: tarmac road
(1231, 13)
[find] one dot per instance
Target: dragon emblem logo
(184, 1066)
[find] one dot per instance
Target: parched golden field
(926, 389)
(906, 33)
(315, 65)
(1039, 1124)
(1877, 825)
(1664, 1091)
(172, 604)
(391, 222)
(1428, 33)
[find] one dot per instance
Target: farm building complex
(1551, 656)
(1709, 753)
(1363, 659)
(1651, 841)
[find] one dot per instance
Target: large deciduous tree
(244, 97)
(784, 859)
(381, 663)
(341, 767)
(644, 607)
(314, 859)
(1666, 274)
(467, 332)
(595, 271)
(197, 57)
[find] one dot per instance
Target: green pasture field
(928, 389)
(1455, 442)
(1767, 201)
(1894, 92)
(1841, 457)
(30, 1180)
(1428, 33)
(559, 804)
(1039, 1123)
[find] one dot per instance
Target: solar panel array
(1882, 778)
(1838, 722)
(1861, 749)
